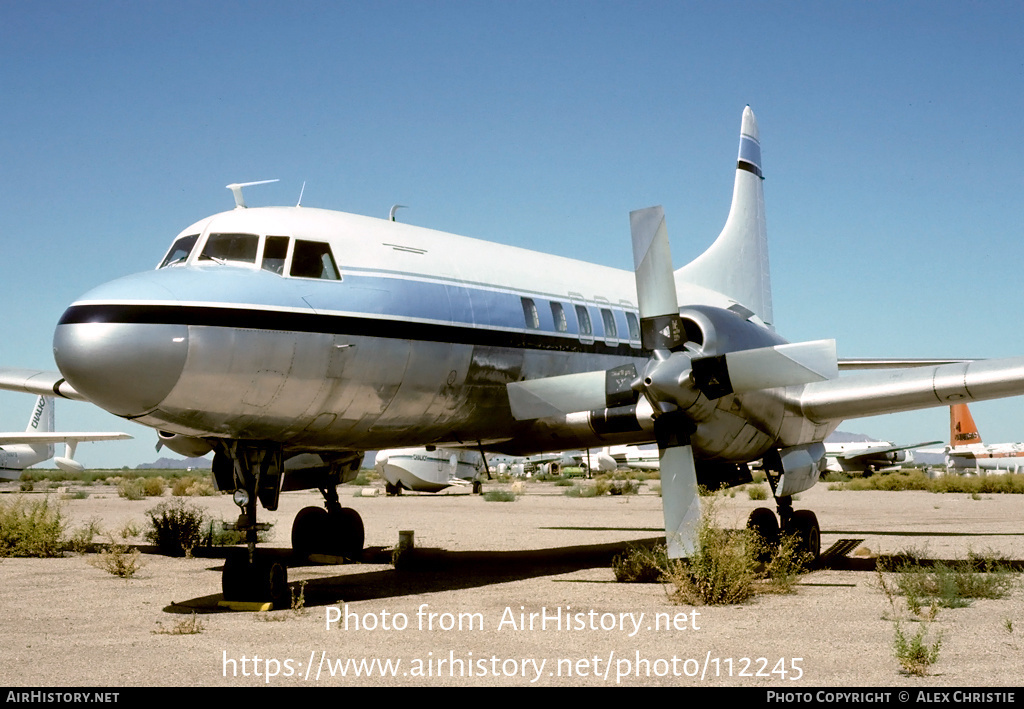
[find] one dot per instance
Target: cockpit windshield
(180, 250)
(230, 247)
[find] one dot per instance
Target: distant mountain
(177, 464)
(843, 437)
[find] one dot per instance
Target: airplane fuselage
(399, 336)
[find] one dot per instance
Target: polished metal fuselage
(413, 346)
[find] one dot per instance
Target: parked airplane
(633, 457)
(22, 450)
(430, 469)
(288, 340)
(869, 457)
(422, 469)
(967, 452)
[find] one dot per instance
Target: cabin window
(313, 259)
(274, 253)
(634, 326)
(583, 317)
(230, 247)
(558, 314)
(610, 331)
(180, 250)
(530, 314)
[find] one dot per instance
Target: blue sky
(891, 137)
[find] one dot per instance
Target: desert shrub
(499, 496)
(757, 492)
(725, 567)
(624, 487)
(192, 486)
(31, 528)
(82, 539)
(177, 527)
(915, 655)
(949, 585)
(153, 487)
(132, 489)
(118, 559)
(640, 565)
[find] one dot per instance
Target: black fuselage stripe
(355, 325)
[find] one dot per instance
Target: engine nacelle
(801, 467)
(68, 465)
(188, 446)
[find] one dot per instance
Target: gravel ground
(489, 571)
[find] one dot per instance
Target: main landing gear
(332, 529)
(803, 524)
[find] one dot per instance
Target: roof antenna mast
(236, 189)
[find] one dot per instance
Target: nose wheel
(261, 579)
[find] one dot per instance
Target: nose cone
(124, 357)
(125, 368)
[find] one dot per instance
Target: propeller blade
(660, 324)
(766, 368)
(554, 396)
(679, 498)
(570, 393)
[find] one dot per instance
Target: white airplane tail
(42, 420)
(736, 264)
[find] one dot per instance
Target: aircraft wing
(869, 452)
(60, 437)
(38, 382)
(890, 391)
(853, 365)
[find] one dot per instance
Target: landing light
(241, 497)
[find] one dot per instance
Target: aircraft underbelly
(330, 391)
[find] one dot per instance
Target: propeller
(674, 378)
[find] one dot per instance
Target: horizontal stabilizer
(56, 437)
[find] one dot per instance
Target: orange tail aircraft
(966, 450)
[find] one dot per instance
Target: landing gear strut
(256, 475)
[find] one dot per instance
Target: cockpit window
(274, 253)
(313, 259)
(180, 250)
(230, 247)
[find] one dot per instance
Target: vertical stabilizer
(42, 418)
(736, 265)
(42, 421)
(962, 429)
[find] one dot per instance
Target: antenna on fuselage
(301, 192)
(236, 189)
(395, 208)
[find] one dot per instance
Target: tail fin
(42, 421)
(962, 429)
(736, 265)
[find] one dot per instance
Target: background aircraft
(420, 469)
(634, 457)
(869, 456)
(288, 340)
(22, 450)
(967, 452)
(423, 469)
